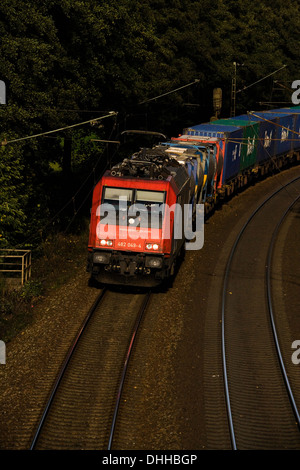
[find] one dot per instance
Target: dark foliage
(65, 62)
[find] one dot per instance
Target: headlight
(153, 262)
(152, 246)
(106, 243)
(102, 258)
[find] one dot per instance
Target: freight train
(138, 204)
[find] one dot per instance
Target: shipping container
(295, 133)
(266, 136)
(200, 162)
(251, 130)
(230, 145)
(212, 146)
(284, 123)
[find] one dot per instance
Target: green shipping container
(250, 139)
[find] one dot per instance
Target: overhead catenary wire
(111, 114)
(271, 103)
(261, 79)
(169, 92)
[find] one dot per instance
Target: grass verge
(54, 263)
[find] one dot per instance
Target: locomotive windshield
(140, 207)
(149, 197)
(114, 195)
(151, 204)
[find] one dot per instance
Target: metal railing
(16, 264)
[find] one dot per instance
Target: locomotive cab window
(150, 198)
(146, 206)
(152, 203)
(114, 195)
(120, 199)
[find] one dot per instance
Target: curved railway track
(83, 406)
(262, 411)
(260, 414)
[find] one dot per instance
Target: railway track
(83, 406)
(262, 411)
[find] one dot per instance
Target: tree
(12, 199)
(69, 61)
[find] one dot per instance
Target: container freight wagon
(200, 161)
(266, 135)
(249, 142)
(230, 141)
(294, 133)
(256, 137)
(284, 124)
(280, 131)
(212, 146)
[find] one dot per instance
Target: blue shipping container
(284, 129)
(295, 135)
(266, 146)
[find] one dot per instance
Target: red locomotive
(134, 217)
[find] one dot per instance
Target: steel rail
(227, 394)
(271, 312)
(124, 370)
(64, 367)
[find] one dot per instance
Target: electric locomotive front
(132, 237)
